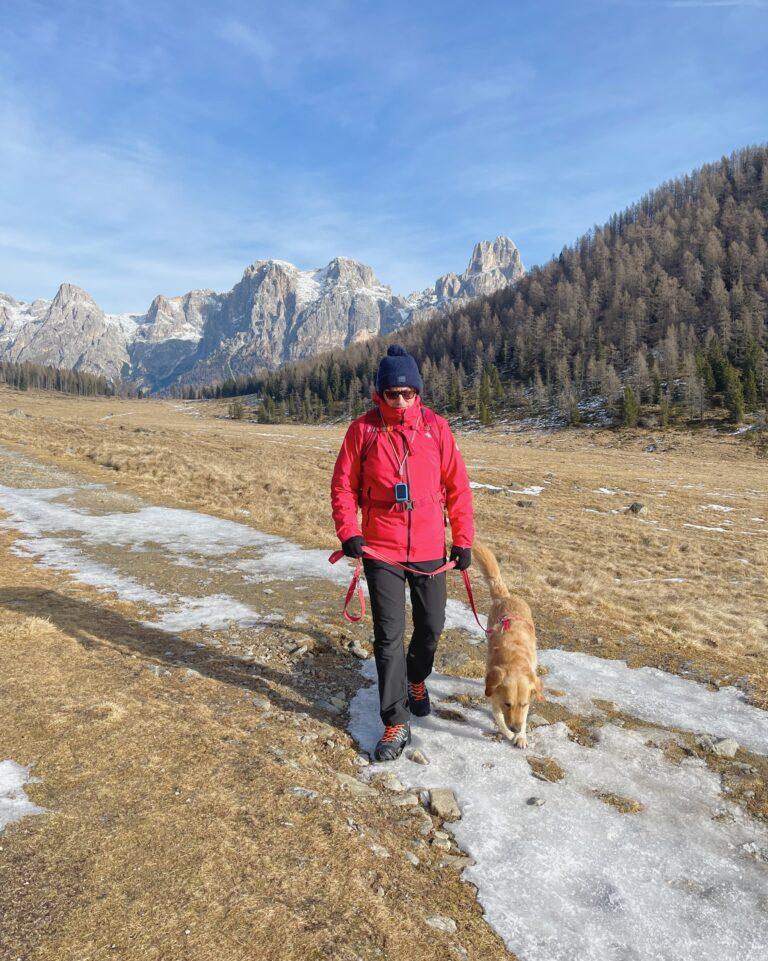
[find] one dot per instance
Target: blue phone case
(402, 493)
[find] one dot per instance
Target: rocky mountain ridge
(274, 314)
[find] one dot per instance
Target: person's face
(401, 398)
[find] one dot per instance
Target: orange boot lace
(418, 690)
(392, 732)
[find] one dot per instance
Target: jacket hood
(408, 417)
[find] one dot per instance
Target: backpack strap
(430, 422)
(369, 438)
(371, 431)
(434, 430)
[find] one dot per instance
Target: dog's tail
(489, 567)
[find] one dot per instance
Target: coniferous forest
(35, 376)
(665, 305)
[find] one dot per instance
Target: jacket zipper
(410, 493)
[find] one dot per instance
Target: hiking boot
(418, 699)
(392, 742)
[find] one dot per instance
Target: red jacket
(368, 467)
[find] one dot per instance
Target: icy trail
(573, 879)
(63, 534)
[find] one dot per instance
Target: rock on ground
(443, 803)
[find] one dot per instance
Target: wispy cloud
(118, 220)
(144, 151)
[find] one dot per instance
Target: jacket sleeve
(457, 490)
(345, 485)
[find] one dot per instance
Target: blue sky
(154, 147)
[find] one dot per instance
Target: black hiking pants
(386, 586)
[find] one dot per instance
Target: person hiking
(400, 466)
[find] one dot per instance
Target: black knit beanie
(398, 369)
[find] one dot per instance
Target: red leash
(355, 588)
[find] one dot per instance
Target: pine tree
(630, 409)
(733, 398)
(750, 390)
(718, 363)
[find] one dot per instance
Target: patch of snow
(488, 487)
(528, 491)
(700, 527)
(573, 878)
(654, 695)
(309, 286)
(14, 803)
(214, 612)
(60, 557)
(459, 616)
(380, 292)
(186, 331)
(605, 490)
(177, 531)
(128, 324)
(187, 613)
(289, 562)
(716, 507)
(16, 315)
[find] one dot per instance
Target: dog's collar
(506, 622)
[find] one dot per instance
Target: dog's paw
(520, 740)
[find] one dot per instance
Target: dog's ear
(538, 688)
(493, 678)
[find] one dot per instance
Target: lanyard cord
(400, 464)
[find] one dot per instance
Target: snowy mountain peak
(493, 265)
(274, 314)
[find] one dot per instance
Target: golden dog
(511, 682)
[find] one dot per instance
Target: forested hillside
(664, 305)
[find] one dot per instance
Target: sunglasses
(407, 393)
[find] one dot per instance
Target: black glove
(353, 546)
(462, 556)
